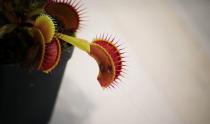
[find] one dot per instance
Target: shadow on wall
(73, 106)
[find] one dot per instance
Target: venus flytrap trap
(106, 54)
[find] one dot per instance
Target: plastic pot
(29, 97)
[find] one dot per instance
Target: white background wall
(168, 77)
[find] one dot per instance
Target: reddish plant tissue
(51, 56)
(66, 12)
(109, 59)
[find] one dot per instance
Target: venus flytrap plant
(55, 25)
(103, 50)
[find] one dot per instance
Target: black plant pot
(29, 97)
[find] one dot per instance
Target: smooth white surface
(168, 77)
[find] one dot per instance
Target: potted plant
(36, 41)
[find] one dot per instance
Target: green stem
(79, 43)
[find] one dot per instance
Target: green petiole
(79, 43)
